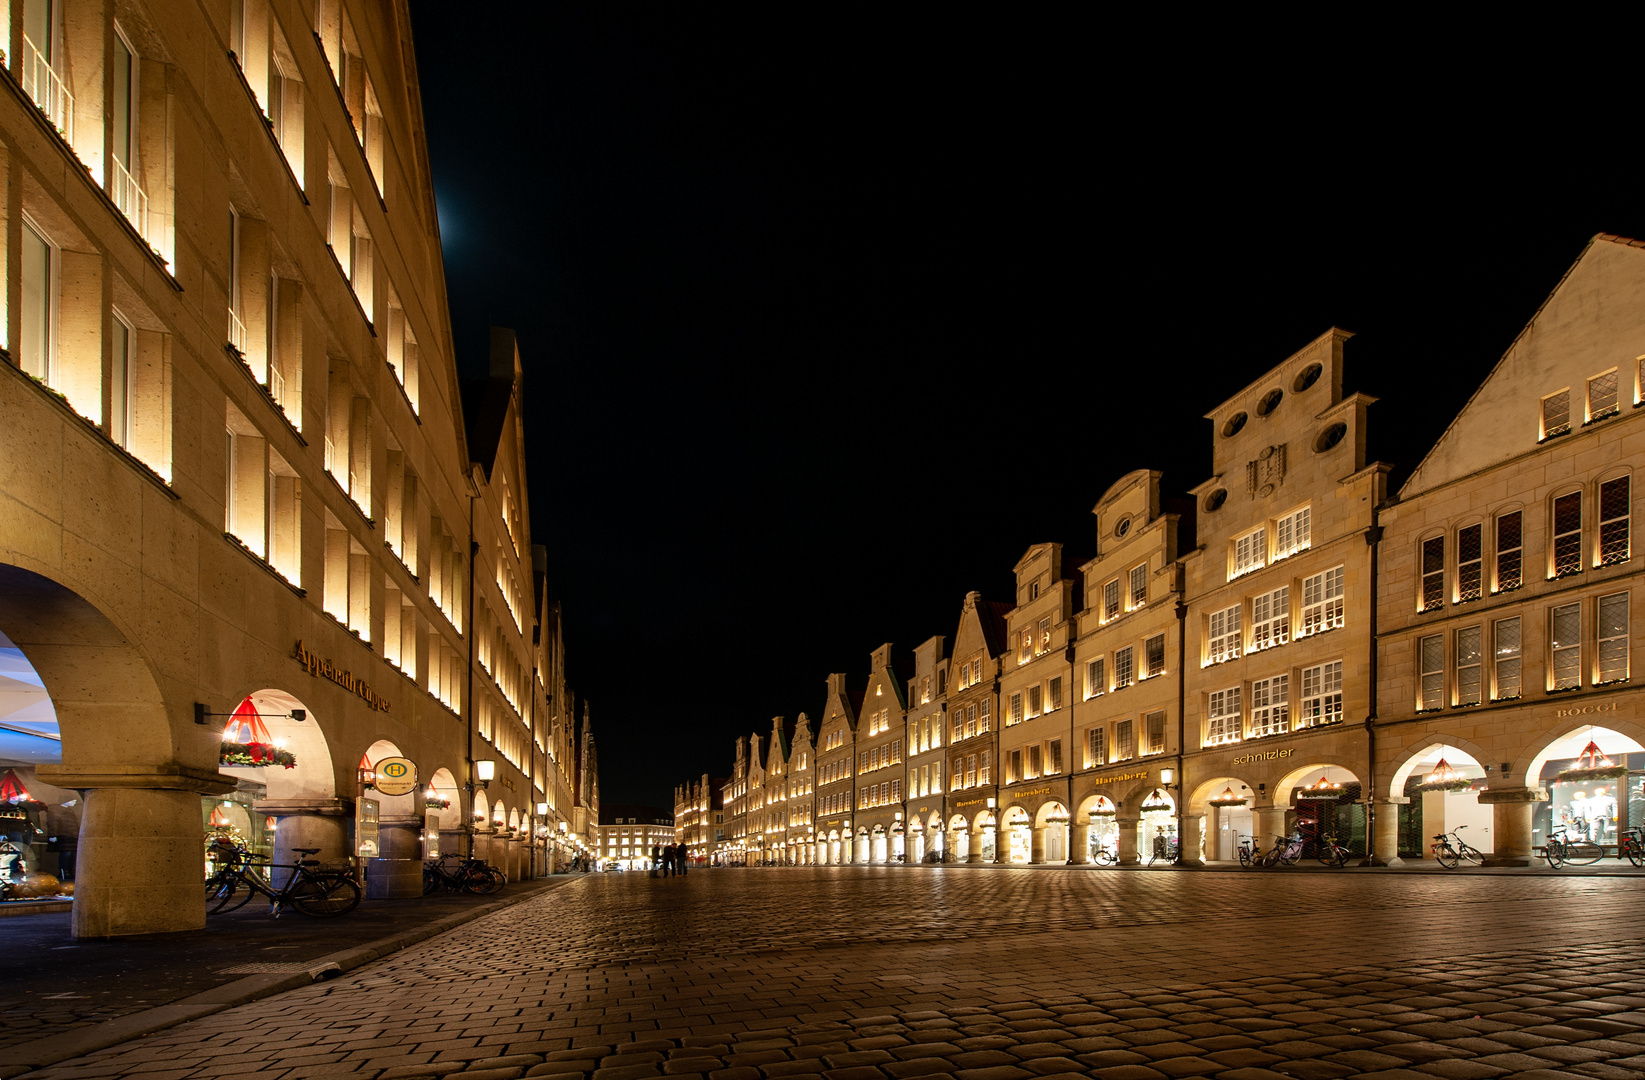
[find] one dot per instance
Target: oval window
(1270, 401)
(1233, 425)
(1306, 378)
(1330, 437)
(1215, 499)
(1122, 526)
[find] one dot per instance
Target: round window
(1270, 401)
(1307, 377)
(1233, 425)
(1122, 526)
(1330, 437)
(1215, 499)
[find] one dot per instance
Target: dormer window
(1556, 414)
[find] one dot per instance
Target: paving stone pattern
(863, 973)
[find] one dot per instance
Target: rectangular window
(1431, 654)
(1110, 600)
(1125, 742)
(1613, 638)
(956, 775)
(1556, 414)
(1153, 656)
(985, 768)
(1470, 563)
(1468, 660)
(1095, 683)
(1292, 533)
(1139, 586)
(1015, 716)
(1155, 733)
(970, 720)
(1225, 635)
(1567, 534)
(1015, 768)
(36, 344)
(1053, 694)
(1250, 552)
(1043, 643)
(959, 724)
(1224, 717)
(1123, 669)
(1566, 643)
(120, 377)
(896, 790)
(1602, 396)
(1271, 706)
(1034, 766)
(1613, 521)
(1053, 759)
(862, 763)
(936, 776)
(985, 717)
(1433, 573)
(1034, 705)
(1025, 647)
(1271, 619)
(1096, 747)
(1321, 695)
(1508, 551)
(1322, 602)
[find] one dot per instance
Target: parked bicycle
(310, 889)
(1105, 856)
(474, 876)
(1631, 846)
(1250, 852)
(1166, 848)
(1332, 853)
(1561, 849)
(1451, 851)
(1286, 849)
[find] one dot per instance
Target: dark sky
(826, 321)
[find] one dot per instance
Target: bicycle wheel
(1270, 858)
(1245, 856)
(431, 882)
(1447, 856)
(1585, 853)
(498, 880)
(1633, 851)
(1554, 852)
(1472, 854)
(231, 893)
(325, 896)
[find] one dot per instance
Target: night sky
(808, 309)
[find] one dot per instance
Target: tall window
(1509, 528)
(1139, 586)
(1015, 716)
(1556, 414)
(37, 342)
(985, 768)
(1095, 683)
(1271, 619)
(1125, 741)
(1566, 644)
(1223, 725)
(1155, 722)
(1613, 521)
(125, 339)
(1250, 552)
(1053, 758)
(1292, 533)
(1124, 671)
(1043, 640)
(1271, 706)
(1025, 647)
(128, 195)
(959, 724)
(1153, 656)
(1431, 669)
(1468, 659)
(1602, 396)
(970, 720)
(1016, 768)
(1035, 706)
(1567, 534)
(1225, 634)
(1322, 601)
(1433, 573)
(985, 717)
(1053, 694)
(1470, 564)
(1321, 695)
(1613, 638)
(1096, 747)
(1111, 600)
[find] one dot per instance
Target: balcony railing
(42, 83)
(236, 333)
(131, 199)
(277, 386)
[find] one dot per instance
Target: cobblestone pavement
(862, 973)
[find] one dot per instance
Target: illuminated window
(1124, 670)
(1431, 657)
(1224, 717)
(1154, 723)
(1322, 602)
(1567, 532)
(985, 768)
(1225, 634)
(1111, 600)
(1251, 552)
(1139, 586)
(1321, 695)
(37, 342)
(1053, 694)
(1025, 648)
(1271, 706)
(1292, 533)
(1508, 551)
(1053, 758)
(1034, 702)
(1096, 747)
(985, 718)
(1470, 563)
(1015, 716)
(1468, 671)
(1433, 573)
(1602, 396)
(1565, 643)
(1613, 521)
(1271, 619)
(1613, 638)
(1153, 656)
(1094, 679)
(1125, 742)
(1556, 414)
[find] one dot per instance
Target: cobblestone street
(861, 973)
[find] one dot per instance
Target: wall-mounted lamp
(485, 770)
(1167, 777)
(990, 803)
(542, 809)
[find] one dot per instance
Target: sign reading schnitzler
(321, 668)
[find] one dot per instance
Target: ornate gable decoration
(1266, 473)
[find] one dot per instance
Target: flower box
(256, 755)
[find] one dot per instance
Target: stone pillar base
(394, 879)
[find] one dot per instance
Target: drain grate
(265, 969)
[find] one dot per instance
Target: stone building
(699, 817)
(250, 501)
(753, 808)
(967, 823)
(879, 745)
(836, 772)
(732, 845)
(774, 815)
(800, 833)
(629, 833)
(927, 721)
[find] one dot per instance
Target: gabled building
(965, 830)
(1127, 656)
(837, 772)
(880, 734)
(774, 814)
(925, 741)
(732, 849)
(801, 830)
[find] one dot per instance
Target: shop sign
(969, 802)
(1121, 778)
(1031, 792)
(322, 668)
(396, 776)
(1260, 755)
(1587, 710)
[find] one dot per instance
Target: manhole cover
(264, 969)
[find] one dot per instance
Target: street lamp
(485, 770)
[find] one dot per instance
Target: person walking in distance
(656, 859)
(679, 859)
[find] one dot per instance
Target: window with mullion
(1271, 706)
(1565, 643)
(1225, 635)
(1556, 414)
(1470, 564)
(1468, 677)
(1509, 530)
(1096, 747)
(1602, 396)
(1124, 670)
(1223, 717)
(1613, 638)
(1433, 573)
(1613, 521)
(1431, 657)
(1139, 585)
(1271, 619)
(1322, 602)
(1111, 600)
(1567, 532)
(1321, 695)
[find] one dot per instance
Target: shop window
(1602, 396)
(1250, 552)
(1271, 706)
(1095, 685)
(1225, 635)
(1321, 695)
(1292, 533)
(1322, 607)
(1567, 532)
(1154, 725)
(1470, 563)
(1431, 672)
(1153, 656)
(1433, 573)
(1556, 414)
(1613, 639)
(1224, 717)
(1468, 669)
(1613, 521)
(1271, 619)
(1139, 586)
(1125, 741)
(1096, 747)
(1111, 600)
(1124, 669)
(1565, 643)
(1509, 531)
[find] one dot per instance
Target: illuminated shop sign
(322, 668)
(1260, 755)
(1121, 778)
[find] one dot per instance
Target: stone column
(141, 855)
(1079, 845)
(1385, 831)
(1510, 824)
(1127, 840)
(310, 823)
(1192, 839)
(1036, 845)
(398, 873)
(1268, 822)
(973, 847)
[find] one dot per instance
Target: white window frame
(1125, 670)
(1271, 619)
(1250, 552)
(1224, 717)
(1096, 746)
(1225, 635)
(1321, 695)
(1270, 706)
(1293, 533)
(1322, 603)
